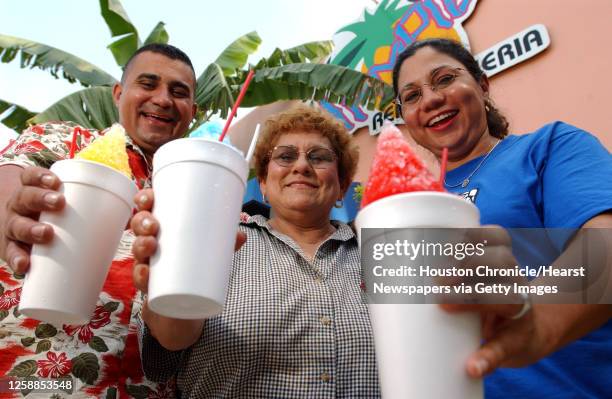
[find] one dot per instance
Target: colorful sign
(372, 44)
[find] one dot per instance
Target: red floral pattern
(28, 147)
(9, 145)
(38, 129)
(107, 344)
(100, 318)
(55, 366)
(10, 298)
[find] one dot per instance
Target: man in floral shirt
(155, 99)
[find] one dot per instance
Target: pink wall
(570, 81)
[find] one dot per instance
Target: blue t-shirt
(557, 176)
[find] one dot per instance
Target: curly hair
(304, 118)
(496, 121)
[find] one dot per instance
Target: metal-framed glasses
(317, 157)
(440, 80)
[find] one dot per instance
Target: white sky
(202, 28)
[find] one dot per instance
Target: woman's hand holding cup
(145, 226)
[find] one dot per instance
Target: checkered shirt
(290, 329)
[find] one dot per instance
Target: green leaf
(1, 286)
(300, 81)
(157, 35)
(119, 24)
(123, 48)
(24, 369)
(16, 312)
(45, 331)
(43, 346)
(314, 52)
(38, 55)
(86, 368)
(213, 92)
(116, 18)
(92, 108)
(236, 54)
(98, 344)
(139, 391)
(327, 82)
(3, 314)
(27, 341)
(111, 306)
(17, 116)
(17, 276)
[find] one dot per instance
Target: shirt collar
(343, 231)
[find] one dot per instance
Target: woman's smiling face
(301, 187)
(453, 115)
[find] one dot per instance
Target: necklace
(466, 181)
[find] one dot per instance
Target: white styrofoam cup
(198, 185)
(66, 276)
(420, 349)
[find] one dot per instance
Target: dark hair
(167, 50)
(496, 121)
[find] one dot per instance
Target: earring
(487, 105)
(339, 203)
(265, 200)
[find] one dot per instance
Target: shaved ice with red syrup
(396, 169)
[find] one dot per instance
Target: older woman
(557, 176)
(294, 325)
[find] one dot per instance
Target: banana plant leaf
(158, 35)
(120, 26)
(315, 52)
(17, 116)
(327, 82)
(92, 108)
(236, 54)
(213, 93)
(37, 55)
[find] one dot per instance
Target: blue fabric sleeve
(577, 177)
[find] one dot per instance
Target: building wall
(570, 81)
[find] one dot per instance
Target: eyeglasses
(317, 157)
(439, 81)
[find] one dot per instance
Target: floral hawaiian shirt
(102, 356)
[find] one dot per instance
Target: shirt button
(318, 279)
(325, 377)
(326, 321)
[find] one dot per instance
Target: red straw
(75, 133)
(443, 165)
(237, 103)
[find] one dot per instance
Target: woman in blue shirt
(556, 177)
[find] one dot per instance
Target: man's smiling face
(155, 100)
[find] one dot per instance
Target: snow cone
(67, 275)
(420, 349)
